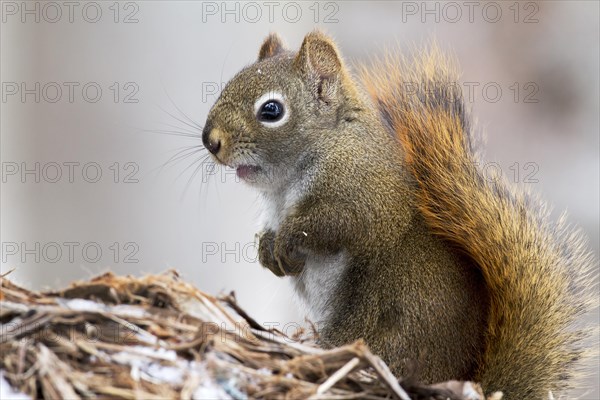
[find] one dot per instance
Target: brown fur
(537, 273)
(444, 269)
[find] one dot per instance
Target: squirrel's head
(273, 113)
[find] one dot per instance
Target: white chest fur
(318, 282)
(317, 285)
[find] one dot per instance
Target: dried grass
(160, 337)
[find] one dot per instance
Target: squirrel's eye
(271, 111)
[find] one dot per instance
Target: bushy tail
(537, 273)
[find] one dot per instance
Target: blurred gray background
(85, 188)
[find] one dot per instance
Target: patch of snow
(264, 371)
(167, 374)
(81, 305)
(129, 311)
(160, 353)
(209, 390)
(8, 393)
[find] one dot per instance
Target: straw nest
(160, 337)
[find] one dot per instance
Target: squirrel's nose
(211, 142)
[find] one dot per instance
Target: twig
(339, 374)
(384, 373)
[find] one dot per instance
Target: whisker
(201, 159)
(194, 125)
(205, 199)
(201, 162)
(173, 133)
(179, 156)
(225, 61)
(197, 132)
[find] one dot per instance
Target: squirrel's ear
(272, 46)
(319, 54)
(319, 59)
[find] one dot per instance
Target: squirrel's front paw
(266, 245)
(278, 257)
(287, 253)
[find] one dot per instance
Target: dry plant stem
(339, 374)
(158, 337)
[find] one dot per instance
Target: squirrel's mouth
(247, 171)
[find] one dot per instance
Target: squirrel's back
(537, 272)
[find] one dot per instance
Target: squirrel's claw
(281, 259)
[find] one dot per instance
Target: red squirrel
(377, 212)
